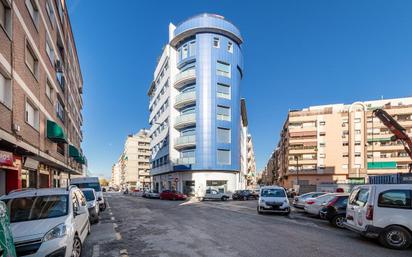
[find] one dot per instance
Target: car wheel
(244, 198)
(223, 198)
(77, 247)
(338, 221)
(258, 210)
(396, 237)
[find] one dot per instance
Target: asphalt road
(134, 226)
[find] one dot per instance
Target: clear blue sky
(296, 53)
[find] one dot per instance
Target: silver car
(299, 201)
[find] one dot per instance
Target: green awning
(73, 151)
(385, 139)
(381, 165)
(55, 133)
(81, 159)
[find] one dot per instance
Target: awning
(73, 151)
(386, 139)
(80, 159)
(55, 133)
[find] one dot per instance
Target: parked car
(48, 222)
(92, 204)
(91, 182)
(6, 238)
(314, 205)
(299, 201)
(151, 194)
(244, 195)
(172, 195)
(335, 210)
(382, 211)
(213, 194)
(273, 199)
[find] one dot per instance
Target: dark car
(244, 195)
(172, 195)
(335, 210)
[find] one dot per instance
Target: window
(357, 132)
(223, 69)
(345, 144)
(359, 197)
(357, 120)
(230, 47)
(216, 42)
(322, 155)
(5, 91)
(188, 132)
(357, 154)
(223, 91)
(345, 155)
(223, 135)
(50, 12)
(33, 10)
(189, 153)
(322, 144)
(49, 90)
(223, 157)
(32, 115)
(357, 143)
(395, 199)
(188, 88)
(60, 109)
(188, 110)
(322, 123)
(223, 113)
(31, 60)
(49, 50)
(322, 134)
(184, 52)
(5, 16)
(192, 48)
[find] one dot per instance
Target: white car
(151, 194)
(92, 204)
(313, 206)
(213, 194)
(299, 201)
(382, 211)
(91, 182)
(273, 199)
(48, 222)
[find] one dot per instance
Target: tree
(103, 182)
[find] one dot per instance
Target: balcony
(185, 141)
(185, 99)
(185, 161)
(185, 77)
(185, 120)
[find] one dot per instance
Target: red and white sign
(6, 158)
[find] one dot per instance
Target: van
(382, 211)
(91, 182)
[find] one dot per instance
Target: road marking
(115, 225)
(96, 251)
(112, 218)
(123, 253)
(118, 236)
(111, 213)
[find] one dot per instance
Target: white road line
(123, 253)
(96, 251)
(118, 236)
(112, 218)
(115, 225)
(111, 213)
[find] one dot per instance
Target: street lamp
(297, 169)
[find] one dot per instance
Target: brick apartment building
(40, 96)
(339, 144)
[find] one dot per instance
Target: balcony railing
(184, 99)
(184, 77)
(185, 120)
(185, 161)
(185, 141)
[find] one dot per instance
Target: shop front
(9, 172)
(29, 174)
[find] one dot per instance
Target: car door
(356, 211)
(83, 214)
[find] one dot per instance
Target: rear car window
(395, 199)
(95, 186)
(360, 198)
(273, 193)
(89, 195)
(37, 207)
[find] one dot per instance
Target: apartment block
(340, 143)
(194, 105)
(41, 102)
(132, 170)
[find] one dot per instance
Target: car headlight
(91, 205)
(56, 232)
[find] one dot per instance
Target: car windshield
(37, 207)
(272, 192)
(95, 186)
(89, 195)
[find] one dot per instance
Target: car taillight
(310, 202)
(369, 212)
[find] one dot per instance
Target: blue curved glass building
(195, 113)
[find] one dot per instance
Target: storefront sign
(6, 158)
(31, 163)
